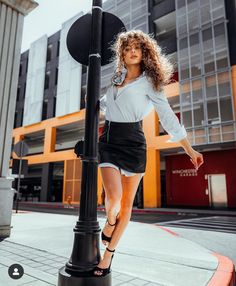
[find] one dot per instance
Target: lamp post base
(65, 279)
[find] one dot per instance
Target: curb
(209, 212)
(225, 272)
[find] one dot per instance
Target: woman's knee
(113, 195)
(126, 209)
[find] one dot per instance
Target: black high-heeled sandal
(105, 237)
(104, 271)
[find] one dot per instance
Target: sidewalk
(147, 254)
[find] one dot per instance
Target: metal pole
(18, 181)
(86, 254)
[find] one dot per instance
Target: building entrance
(217, 190)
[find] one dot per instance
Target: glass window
(139, 21)
(218, 9)
(18, 93)
(204, 2)
(187, 117)
(198, 114)
(194, 43)
(193, 20)
(207, 39)
(44, 109)
(136, 3)
(220, 37)
(192, 5)
(195, 65)
(125, 18)
(183, 48)
(214, 134)
(137, 12)
(46, 80)
(182, 24)
(205, 13)
(208, 54)
(185, 99)
(184, 69)
(49, 53)
(180, 3)
(209, 61)
(224, 84)
(200, 136)
(211, 91)
(195, 55)
(197, 90)
(222, 59)
(123, 7)
(213, 112)
(143, 27)
(226, 109)
(228, 132)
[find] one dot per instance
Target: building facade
(199, 38)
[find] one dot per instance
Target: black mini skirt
(124, 145)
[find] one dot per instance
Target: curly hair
(156, 65)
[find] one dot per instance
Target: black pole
(19, 176)
(85, 254)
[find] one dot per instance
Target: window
(224, 84)
(187, 118)
(58, 48)
(18, 93)
(211, 91)
(197, 90)
(198, 114)
(44, 110)
(226, 109)
(49, 53)
(20, 70)
(46, 80)
(56, 76)
(213, 112)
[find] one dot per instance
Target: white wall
(69, 76)
(35, 81)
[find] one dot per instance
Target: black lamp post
(88, 41)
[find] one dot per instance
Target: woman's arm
(171, 124)
(195, 157)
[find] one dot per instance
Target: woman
(137, 86)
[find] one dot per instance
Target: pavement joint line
(127, 254)
(32, 276)
(51, 268)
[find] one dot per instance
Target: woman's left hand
(196, 158)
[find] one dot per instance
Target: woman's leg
(130, 186)
(113, 193)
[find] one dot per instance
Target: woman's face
(132, 53)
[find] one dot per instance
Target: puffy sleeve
(167, 117)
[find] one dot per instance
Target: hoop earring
(117, 78)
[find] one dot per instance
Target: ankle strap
(115, 222)
(110, 223)
(110, 250)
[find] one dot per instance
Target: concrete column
(46, 183)
(12, 14)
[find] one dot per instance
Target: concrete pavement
(147, 254)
